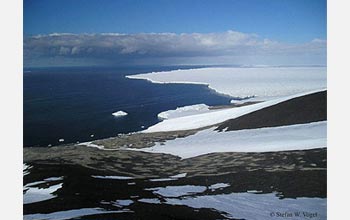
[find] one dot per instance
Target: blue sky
(284, 21)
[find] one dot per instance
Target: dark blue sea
(75, 104)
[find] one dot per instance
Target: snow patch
(171, 178)
(181, 175)
(69, 214)
(152, 200)
(26, 169)
(122, 203)
(218, 186)
(176, 191)
(240, 102)
(260, 205)
(90, 144)
(161, 180)
(37, 194)
(54, 178)
(113, 177)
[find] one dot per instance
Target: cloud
(160, 48)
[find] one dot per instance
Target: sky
(166, 32)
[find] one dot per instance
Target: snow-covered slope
(283, 138)
(263, 83)
(214, 117)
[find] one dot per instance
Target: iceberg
(184, 111)
(119, 114)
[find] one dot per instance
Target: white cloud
(155, 47)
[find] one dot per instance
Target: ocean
(76, 104)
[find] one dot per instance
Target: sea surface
(76, 104)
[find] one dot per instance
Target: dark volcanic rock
(305, 109)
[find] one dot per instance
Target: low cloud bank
(229, 47)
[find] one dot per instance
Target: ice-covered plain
(282, 138)
(262, 83)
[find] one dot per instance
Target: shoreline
(105, 148)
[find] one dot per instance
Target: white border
(338, 108)
(11, 47)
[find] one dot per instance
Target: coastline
(118, 146)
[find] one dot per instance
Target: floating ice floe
(119, 114)
(282, 138)
(262, 83)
